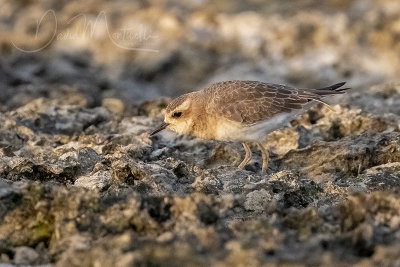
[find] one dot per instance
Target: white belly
(256, 132)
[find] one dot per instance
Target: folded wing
(249, 102)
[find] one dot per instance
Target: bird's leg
(265, 157)
(247, 157)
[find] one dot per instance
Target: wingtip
(343, 89)
(335, 87)
(341, 84)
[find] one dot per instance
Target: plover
(241, 111)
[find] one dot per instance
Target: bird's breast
(211, 127)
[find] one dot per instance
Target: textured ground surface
(83, 184)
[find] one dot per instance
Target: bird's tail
(318, 94)
(331, 90)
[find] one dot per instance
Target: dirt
(83, 184)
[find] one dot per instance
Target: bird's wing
(249, 102)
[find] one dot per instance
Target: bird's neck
(203, 126)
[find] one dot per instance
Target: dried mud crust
(81, 186)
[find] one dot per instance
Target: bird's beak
(160, 128)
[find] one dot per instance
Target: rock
(5, 189)
(114, 105)
(25, 256)
(99, 181)
(206, 213)
(25, 132)
(257, 200)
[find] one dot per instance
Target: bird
(241, 111)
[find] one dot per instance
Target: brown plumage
(243, 111)
(249, 102)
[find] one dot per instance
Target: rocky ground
(83, 184)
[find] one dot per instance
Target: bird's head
(178, 115)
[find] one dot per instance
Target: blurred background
(141, 50)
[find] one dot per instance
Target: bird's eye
(177, 114)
